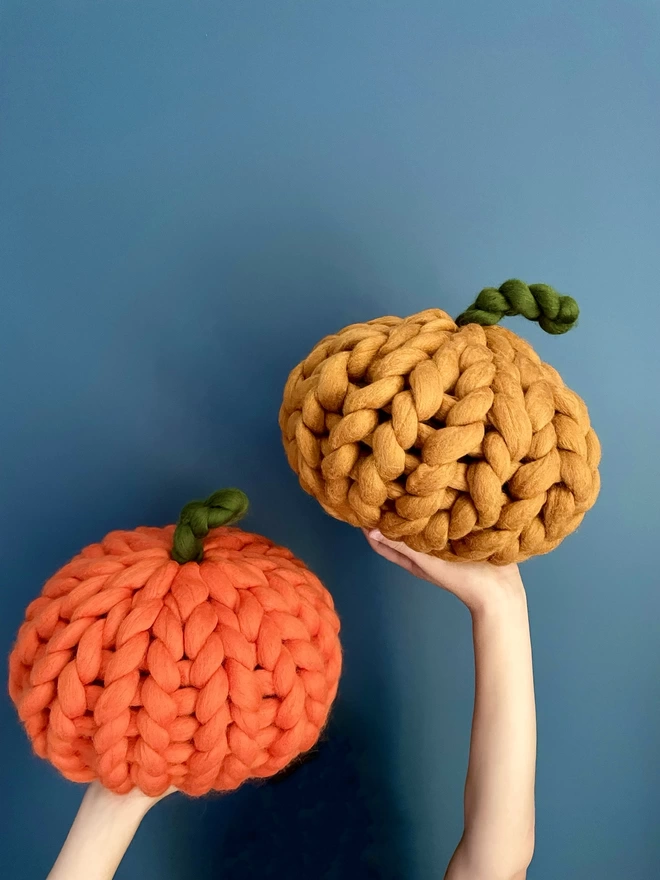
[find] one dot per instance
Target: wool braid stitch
(138, 671)
(457, 440)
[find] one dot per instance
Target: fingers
(379, 538)
(170, 790)
(430, 568)
(468, 581)
(389, 551)
(380, 541)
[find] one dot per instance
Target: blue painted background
(192, 194)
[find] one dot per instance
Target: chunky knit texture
(139, 671)
(457, 440)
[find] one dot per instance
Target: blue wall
(192, 194)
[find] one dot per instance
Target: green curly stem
(198, 517)
(537, 302)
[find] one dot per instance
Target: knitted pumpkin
(194, 657)
(452, 436)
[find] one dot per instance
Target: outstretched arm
(101, 832)
(498, 841)
(498, 837)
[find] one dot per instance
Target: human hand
(476, 584)
(135, 802)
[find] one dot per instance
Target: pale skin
(498, 835)
(101, 833)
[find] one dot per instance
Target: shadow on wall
(331, 816)
(202, 378)
(256, 315)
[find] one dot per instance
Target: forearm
(499, 793)
(100, 835)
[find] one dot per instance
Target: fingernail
(376, 535)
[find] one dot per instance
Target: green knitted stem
(197, 518)
(537, 302)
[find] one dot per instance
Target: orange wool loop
(458, 441)
(140, 672)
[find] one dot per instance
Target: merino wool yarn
(194, 657)
(452, 436)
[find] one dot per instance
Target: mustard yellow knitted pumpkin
(452, 436)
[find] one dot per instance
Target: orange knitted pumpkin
(198, 671)
(450, 436)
